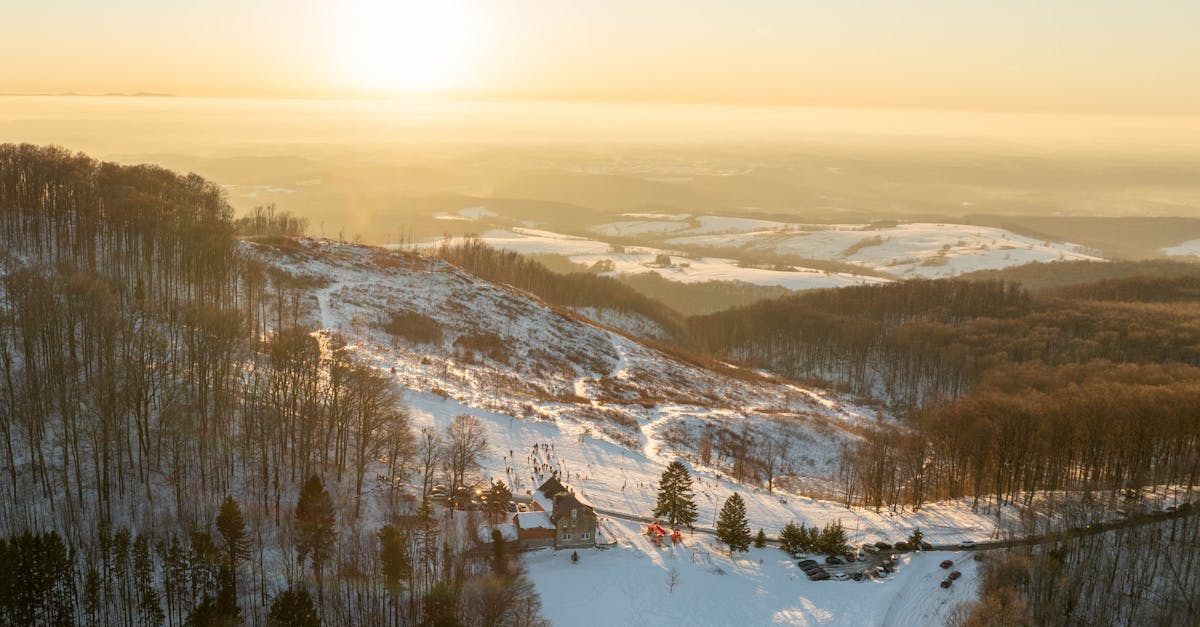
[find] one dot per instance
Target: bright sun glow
(411, 46)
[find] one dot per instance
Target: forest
(148, 371)
(999, 391)
(1137, 575)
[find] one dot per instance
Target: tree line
(149, 369)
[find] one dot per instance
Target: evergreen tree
(791, 539)
(833, 539)
(733, 528)
(916, 539)
(232, 528)
(760, 540)
(498, 497)
(293, 608)
(675, 499)
(396, 564)
(440, 605)
(315, 533)
(149, 602)
(499, 554)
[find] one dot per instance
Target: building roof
(533, 520)
(507, 531)
(565, 503)
(551, 487)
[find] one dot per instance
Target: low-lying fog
(382, 170)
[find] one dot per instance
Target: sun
(410, 46)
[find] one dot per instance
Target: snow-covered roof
(534, 520)
(508, 531)
(542, 500)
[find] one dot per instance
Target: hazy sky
(1067, 55)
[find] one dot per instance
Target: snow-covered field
(923, 250)
(1189, 248)
(627, 585)
(738, 245)
(639, 259)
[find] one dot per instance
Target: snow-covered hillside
(503, 351)
(749, 250)
(559, 394)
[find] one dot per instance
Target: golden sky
(1059, 55)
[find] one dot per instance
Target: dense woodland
(579, 289)
(1140, 575)
(148, 371)
(1001, 392)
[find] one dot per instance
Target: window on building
(585, 536)
(566, 536)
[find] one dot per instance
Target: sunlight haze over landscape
(600, 313)
(1096, 56)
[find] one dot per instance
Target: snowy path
(323, 301)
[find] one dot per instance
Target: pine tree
(791, 539)
(293, 608)
(237, 547)
(833, 539)
(499, 554)
(733, 528)
(396, 564)
(916, 539)
(315, 533)
(675, 497)
(760, 540)
(498, 497)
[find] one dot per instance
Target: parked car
(849, 557)
(803, 563)
(834, 560)
(880, 572)
(946, 583)
(946, 564)
(883, 546)
(840, 577)
(889, 567)
(902, 546)
(819, 576)
(870, 548)
(521, 507)
(966, 544)
(954, 576)
(858, 576)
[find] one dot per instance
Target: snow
(534, 520)
(701, 269)
(637, 260)
(627, 585)
(508, 531)
(1188, 248)
(466, 214)
(924, 250)
(607, 413)
(534, 241)
(915, 250)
